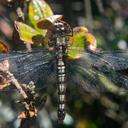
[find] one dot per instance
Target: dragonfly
(63, 60)
(60, 65)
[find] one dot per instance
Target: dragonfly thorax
(58, 36)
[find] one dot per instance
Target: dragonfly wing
(106, 61)
(33, 66)
(81, 78)
(90, 79)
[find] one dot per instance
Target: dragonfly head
(62, 31)
(56, 28)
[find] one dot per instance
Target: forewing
(34, 66)
(106, 61)
(82, 74)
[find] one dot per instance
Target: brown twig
(4, 67)
(30, 101)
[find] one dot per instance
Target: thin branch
(100, 6)
(88, 14)
(16, 83)
(4, 67)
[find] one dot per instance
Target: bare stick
(4, 67)
(16, 83)
(88, 14)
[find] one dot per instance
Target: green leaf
(80, 41)
(28, 34)
(39, 9)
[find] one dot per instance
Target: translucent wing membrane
(33, 66)
(106, 61)
(91, 80)
(99, 71)
(91, 72)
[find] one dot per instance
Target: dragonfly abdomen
(61, 90)
(61, 75)
(61, 48)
